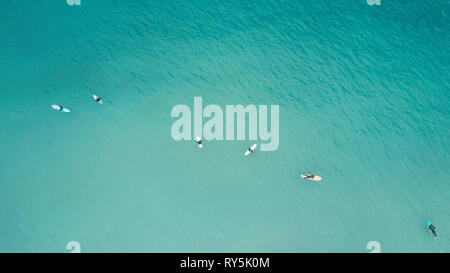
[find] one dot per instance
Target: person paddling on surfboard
(311, 177)
(60, 108)
(432, 228)
(97, 99)
(251, 149)
(199, 141)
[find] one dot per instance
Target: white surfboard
(198, 139)
(97, 99)
(60, 108)
(250, 150)
(315, 178)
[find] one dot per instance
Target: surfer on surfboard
(433, 230)
(311, 177)
(251, 149)
(60, 108)
(199, 141)
(97, 99)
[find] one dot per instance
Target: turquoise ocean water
(364, 103)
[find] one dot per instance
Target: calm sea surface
(364, 102)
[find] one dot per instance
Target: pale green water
(363, 94)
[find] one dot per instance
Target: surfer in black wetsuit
(432, 228)
(97, 99)
(199, 142)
